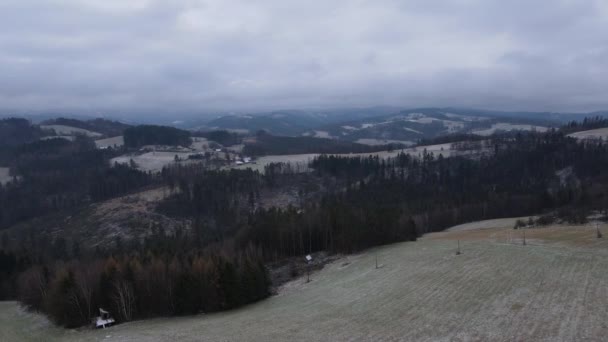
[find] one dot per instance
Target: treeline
(13, 132)
(371, 201)
(266, 144)
(400, 198)
(587, 124)
(106, 127)
(140, 286)
(58, 174)
(452, 138)
(138, 136)
(224, 138)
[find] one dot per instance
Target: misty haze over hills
(146, 57)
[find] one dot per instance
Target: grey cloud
(190, 55)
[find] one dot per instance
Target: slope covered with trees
(108, 128)
(138, 136)
(217, 261)
(266, 144)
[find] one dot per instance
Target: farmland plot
(5, 177)
(600, 133)
(502, 126)
(301, 160)
(423, 291)
(69, 130)
(110, 142)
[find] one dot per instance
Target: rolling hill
(414, 125)
(496, 290)
(383, 125)
(291, 122)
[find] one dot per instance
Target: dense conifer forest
(267, 144)
(138, 136)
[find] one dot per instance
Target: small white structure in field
(308, 260)
(238, 162)
(246, 160)
(104, 319)
(218, 150)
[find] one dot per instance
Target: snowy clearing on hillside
(423, 291)
(322, 134)
(467, 118)
(488, 224)
(69, 130)
(152, 161)
(591, 134)
(4, 175)
(66, 137)
(374, 142)
(110, 142)
(301, 160)
(509, 127)
(199, 144)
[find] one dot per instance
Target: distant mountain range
(379, 125)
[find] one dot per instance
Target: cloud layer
(190, 55)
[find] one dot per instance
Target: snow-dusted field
(494, 291)
(110, 142)
(151, 161)
(509, 127)
(154, 161)
(301, 160)
(69, 130)
(374, 142)
(591, 134)
(4, 175)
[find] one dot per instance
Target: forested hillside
(155, 135)
(266, 144)
(215, 261)
(105, 127)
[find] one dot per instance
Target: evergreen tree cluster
(58, 174)
(138, 136)
(136, 286)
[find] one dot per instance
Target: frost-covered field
(374, 142)
(4, 175)
(494, 291)
(157, 159)
(591, 134)
(110, 142)
(151, 161)
(509, 127)
(301, 160)
(69, 130)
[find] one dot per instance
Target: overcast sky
(247, 55)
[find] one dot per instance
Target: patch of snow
(502, 126)
(322, 134)
(69, 130)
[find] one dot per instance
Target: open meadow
(600, 133)
(5, 176)
(552, 289)
(302, 160)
